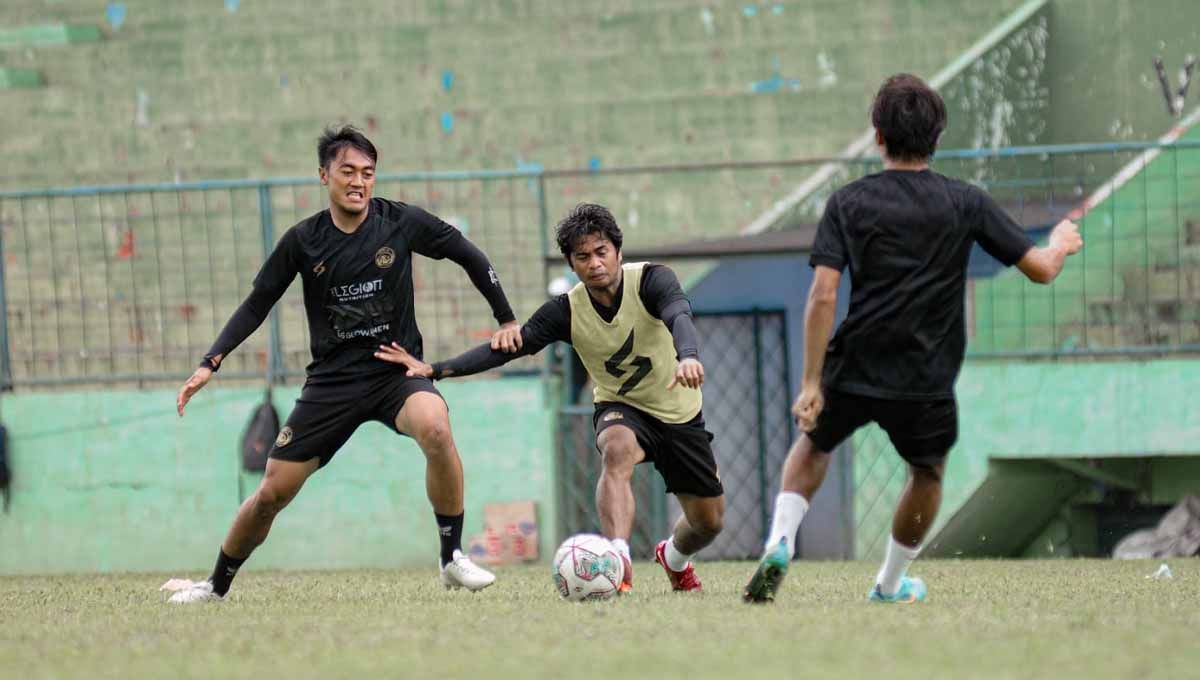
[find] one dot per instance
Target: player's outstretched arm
(393, 353)
(550, 323)
(475, 360)
(1043, 265)
(198, 380)
(434, 238)
(273, 279)
(818, 324)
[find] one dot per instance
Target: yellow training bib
(632, 359)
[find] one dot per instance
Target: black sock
(450, 533)
(227, 567)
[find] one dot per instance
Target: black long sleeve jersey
(358, 287)
(660, 292)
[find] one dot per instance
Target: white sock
(676, 561)
(899, 556)
(789, 512)
(622, 547)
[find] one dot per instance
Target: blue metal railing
(129, 283)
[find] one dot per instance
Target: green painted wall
(1134, 284)
(115, 481)
(1101, 70)
(1052, 409)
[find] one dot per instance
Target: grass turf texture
(1062, 619)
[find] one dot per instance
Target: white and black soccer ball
(587, 567)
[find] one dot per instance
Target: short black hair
(584, 219)
(910, 116)
(334, 139)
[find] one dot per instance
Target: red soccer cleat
(626, 580)
(681, 581)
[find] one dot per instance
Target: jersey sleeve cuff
(830, 261)
(1016, 256)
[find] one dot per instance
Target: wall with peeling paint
(1076, 409)
(115, 481)
(1101, 67)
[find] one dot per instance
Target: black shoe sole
(770, 574)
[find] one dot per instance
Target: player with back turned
(631, 326)
(905, 235)
(355, 261)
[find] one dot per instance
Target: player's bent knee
(709, 520)
(271, 499)
(434, 435)
(710, 524)
(618, 450)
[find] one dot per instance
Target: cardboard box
(510, 534)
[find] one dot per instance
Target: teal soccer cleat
(769, 576)
(911, 590)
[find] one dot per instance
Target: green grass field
(985, 619)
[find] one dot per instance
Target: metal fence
(746, 406)
(1135, 287)
(130, 284)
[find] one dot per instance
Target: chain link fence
(130, 284)
(746, 407)
(1133, 289)
(116, 285)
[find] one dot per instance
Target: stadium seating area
(145, 91)
(161, 91)
(138, 283)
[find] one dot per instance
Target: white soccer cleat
(461, 572)
(197, 592)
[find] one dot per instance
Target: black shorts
(328, 412)
(921, 431)
(681, 453)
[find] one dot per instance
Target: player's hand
(689, 373)
(191, 387)
(508, 338)
(396, 354)
(1065, 236)
(808, 407)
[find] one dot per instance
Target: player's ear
(323, 175)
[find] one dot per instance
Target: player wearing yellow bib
(632, 328)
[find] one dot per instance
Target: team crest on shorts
(285, 436)
(612, 415)
(384, 257)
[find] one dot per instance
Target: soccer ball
(587, 567)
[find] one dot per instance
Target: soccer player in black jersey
(632, 327)
(355, 261)
(905, 235)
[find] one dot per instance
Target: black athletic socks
(222, 576)
(450, 533)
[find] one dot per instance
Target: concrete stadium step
(46, 35)
(20, 79)
(659, 58)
